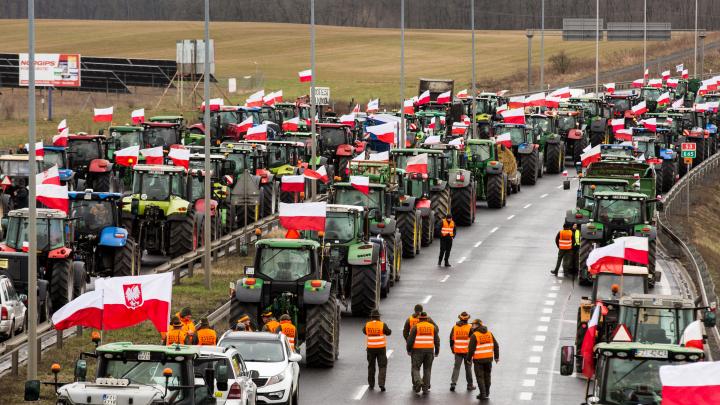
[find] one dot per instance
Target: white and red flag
(356, 109)
(409, 107)
(610, 87)
(383, 132)
(39, 148)
(257, 133)
(639, 108)
(424, 98)
(153, 156)
(462, 94)
(278, 96)
(590, 155)
(62, 126)
(693, 335)
(650, 124)
(373, 106)
(348, 119)
(303, 216)
(215, 104)
(459, 128)
(127, 301)
(85, 310)
(638, 83)
(514, 116)
(138, 116)
(623, 134)
(646, 74)
(685, 74)
(292, 184)
(61, 139)
(691, 384)
(319, 174)
(617, 123)
(501, 93)
(612, 257)
(255, 99)
(665, 75)
(678, 103)
(361, 184)
(180, 157)
(501, 108)
(127, 156)
(672, 83)
(247, 123)
(588, 343)
(269, 99)
(432, 140)
(664, 99)
(305, 76)
(563, 92)
(417, 164)
(102, 114)
(504, 139)
(290, 125)
(444, 98)
(49, 191)
(516, 102)
(535, 100)
(657, 83)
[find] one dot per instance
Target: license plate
(3, 263)
(109, 399)
(652, 353)
(144, 356)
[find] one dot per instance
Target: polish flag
(664, 99)
(588, 343)
(432, 140)
(408, 107)
(657, 83)
(516, 102)
(303, 216)
(127, 301)
(462, 94)
(637, 83)
(501, 108)
(361, 184)
(458, 128)
(383, 132)
(269, 99)
(590, 155)
(103, 114)
(618, 123)
(373, 105)
(39, 148)
(563, 92)
(677, 103)
(535, 100)
(552, 101)
(417, 164)
(49, 191)
(504, 139)
(424, 98)
(639, 108)
(501, 93)
(665, 75)
(710, 84)
(672, 83)
(650, 124)
(703, 90)
(623, 134)
(85, 310)
(611, 258)
(685, 74)
(712, 106)
(62, 126)
(356, 109)
(320, 174)
(278, 96)
(305, 76)
(647, 73)
(693, 335)
(255, 99)
(290, 125)
(292, 184)
(49, 176)
(247, 123)
(691, 384)
(153, 156)
(465, 119)
(444, 98)
(257, 133)
(128, 156)
(215, 104)
(348, 119)
(700, 107)
(610, 87)
(180, 157)
(61, 139)
(514, 116)
(138, 116)
(432, 123)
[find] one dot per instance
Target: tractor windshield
(242, 162)
(621, 104)
(339, 226)
(288, 111)
(650, 94)
(278, 155)
(82, 151)
(543, 123)
(633, 378)
(92, 216)
(161, 136)
(254, 114)
(285, 264)
(127, 139)
(333, 137)
(566, 122)
(55, 157)
(199, 164)
(350, 196)
(484, 106)
(620, 212)
(481, 152)
(157, 186)
(590, 189)
(591, 108)
(655, 325)
(50, 234)
(646, 148)
(517, 134)
(197, 188)
(228, 117)
(625, 285)
(144, 372)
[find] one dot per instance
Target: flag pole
(313, 188)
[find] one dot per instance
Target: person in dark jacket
(459, 340)
(413, 319)
(376, 342)
(423, 345)
(482, 349)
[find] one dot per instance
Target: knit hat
(185, 312)
(418, 308)
(423, 315)
(175, 321)
(464, 316)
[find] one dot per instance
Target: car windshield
(339, 226)
(539, 122)
(517, 134)
(566, 122)
(144, 372)
(333, 137)
(655, 325)
(620, 212)
(651, 94)
(55, 157)
(480, 153)
(82, 151)
(621, 104)
(626, 284)
(161, 136)
(127, 139)
(157, 186)
(633, 381)
(92, 216)
(259, 351)
(17, 234)
(285, 264)
(350, 196)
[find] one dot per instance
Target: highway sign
(688, 154)
(688, 146)
(322, 96)
(688, 160)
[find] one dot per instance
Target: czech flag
(383, 132)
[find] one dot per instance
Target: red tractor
(86, 157)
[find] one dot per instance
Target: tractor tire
(440, 205)
(79, 281)
(238, 309)
(266, 201)
(669, 171)
(463, 205)
(101, 182)
(555, 158)
(44, 311)
(390, 256)
(652, 250)
(364, 290)
(428, 230)
(124, 260)
(584, 277)
(578, 147)
(183, 236)
(61, 283)
(322, 334)
(407, 224)
(529, 174)
(496, 190)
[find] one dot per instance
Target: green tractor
(650, 95)
(462, 184)
(494, 169)
(594, 118)
(282, 160)
(157, 215)
(121, 137)
(572, 131)
(551, 144)
(220, 211)
(585, 202)
(530, 158)
(288, 277)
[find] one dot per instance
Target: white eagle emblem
(133, 295)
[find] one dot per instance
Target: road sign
(688, 146)
(688, 160)
(689, 154)
(322, 95)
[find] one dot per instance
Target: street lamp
(597, 45)
(402, 74)
(542, 45)
(474, 101)
(644, 38)
(312, 95)
(529, 35)
(32, 206)
(696, 40)
(206, 120)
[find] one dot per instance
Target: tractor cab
(540, 123)
(567, 122)
(624, 152)
(86, 157)
(124, 136)
(650, 95)
(585, 197)
(282, 156)
(619, 104)
(431, 122)
(303, 137)
(286, 110)
(53, 229)
(14, 173)
(164, 134)
(250, 157)
(335, 143)
(617, 214)
(610, 287)
(520, 135)
(57, 156)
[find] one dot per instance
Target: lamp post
(702, 53)
(644, 38)
(474, 101)
(402, 74)
(206, 118)
(32, 206)
(529, 35)
(542, 45)
(597, 45)
(696, 41)
(312, 95)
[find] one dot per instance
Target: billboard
(52, 69)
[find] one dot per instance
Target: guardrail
(676, 203)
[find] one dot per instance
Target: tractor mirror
(32, 390)
(222, 377)
(709, 319)
(209, 380)
(567, 360)
(80, 370)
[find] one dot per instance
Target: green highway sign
(689, 154)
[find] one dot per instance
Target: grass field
(356, 63)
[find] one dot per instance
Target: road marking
(550, 302)
(511, 217)
(462, 259)
(526, 396)
(389, 353)
(361, 392)
(560, 281)
(531, 371)
(560, 186)
(539, 338)
(528, 383)
(545, 319)
(537, 349)
(534, 359)
(544, 195)
(555, 288)
(552, 295)
(444, 279)
(494, 229)
(547, 310)
(478, 244)
(542, 328)
(527, 206)
(427, 299)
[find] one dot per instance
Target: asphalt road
(500, 274)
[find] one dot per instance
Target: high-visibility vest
(175, 336)
(206, 337)
(375, 337)
(577, 237)
(484, 348)
(461, 338)
(272, 325)
(412, 321)
(289, 330)
(424, 336)
(566, 239)
(448, 228)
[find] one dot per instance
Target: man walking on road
(564, 242)
(459, 340)
(482, 349)
(412, 321)
(376, 332)
(447, 234)
(423, 345)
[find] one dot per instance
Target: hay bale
(507, 158)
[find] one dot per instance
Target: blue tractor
(100, 240)
(57, 155)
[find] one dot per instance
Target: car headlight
(276, 379)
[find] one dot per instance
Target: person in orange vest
(288, 329)
(459, 340)
(564, 242)
(270, 324)
(376, 345)
(175, 334)
(447, 234)
(205, 335)
(482, 349)
(246, 324)
(423, 345)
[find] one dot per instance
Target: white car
(12, 309)
(270, 355)
(241, 389)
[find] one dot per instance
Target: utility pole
(312, 95)
(32, 206)
(542, 46)
(403, 135)
(597, 46)
(702, 53)
(644, 39)
(529, 35)
(474, 91)
(206, 118)
(696, 41)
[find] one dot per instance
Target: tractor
(335, 143)
(86, 158)
(252, 195)
(650, 95)
(573, 133)
(224, 125)
(282, 160)
(165, 134)
(220, 179)
(463, 185)
(620, 105)
(551, 144)
(527, 152)
(122, 137)
(289, 277)
(664, 161)
(594, 118)
(100, 241)
(157, 215)
(494, 168)
(585, 202)
(14, 172)
(57, 156)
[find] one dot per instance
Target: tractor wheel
(555, 158)
(364, 290)
(407, 224)
(124, 260)
(238, 309)
(651, 261)
(440, 204)
(321, 334)
(668, 171)
(101, 182)
(495, 190)
(578, 147)
(61, 283)
(44, 311)
(390, 258)
(183, 236)
(529, 172)
(463, 205)
(584, 277)
(266, 200)
(428, 230)
(79, 279)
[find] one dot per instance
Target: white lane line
(528, 383)
(534, 359)
(478, 244)
(525, 396)
(511, 217)
(527, 206)
(462, 259)
(540, 338)
(552, 295)
(389, 353)
(544, 195)
(542, 328)
(538, 349)
(361, 392)
(545, 319)
(555, 288)
(550, 302)
(547, 310)
(531, 371)
(494, 229)
(427, 299)
(444, 279)
(559, 187)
